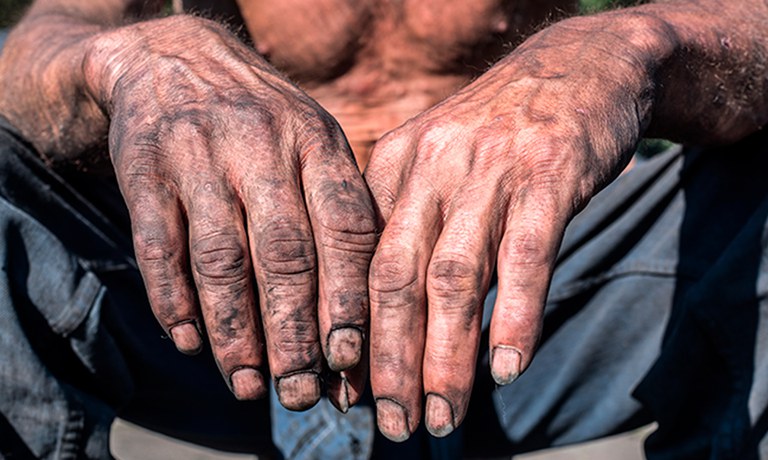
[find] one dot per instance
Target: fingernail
(248, 383)
(299, 391)
(505, 364)
(439, 417)
(392, 420)
(186, 338)
(342, 401)
(344, 348)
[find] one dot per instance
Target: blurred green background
(11, 10)
(590, 6)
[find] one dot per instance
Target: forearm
(706, 63)
(694, 70)
(42, 83)
(713, 85)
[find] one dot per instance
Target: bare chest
(375, 63)
(316, 40)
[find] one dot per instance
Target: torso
(375, 63)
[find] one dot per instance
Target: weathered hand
(242, 192)
(487, 180)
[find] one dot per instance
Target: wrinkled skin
(286, 223)
(250, 218)
(488, 179)
(491, 175)
(243, 190)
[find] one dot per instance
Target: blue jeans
(79, 344)
(657, 311)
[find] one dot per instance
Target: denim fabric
(78, 342)
(322, 432)
(656, 312)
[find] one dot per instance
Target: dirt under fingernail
(505, 364)
(392, 420)
(439, 416)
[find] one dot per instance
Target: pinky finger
(526, 257)
(160, 240)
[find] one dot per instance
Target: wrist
(153, 49)
(128, 52)
(42, 91)
(625, 49)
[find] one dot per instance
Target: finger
(160, 242)
(285, 265)
(397, 289)
(525, 260)
(344, 227)
(457, 279)
(223, 275)
(345, 388)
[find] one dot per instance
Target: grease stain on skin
(352, 305)
(229, 322)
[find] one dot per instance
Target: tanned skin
(242, 187)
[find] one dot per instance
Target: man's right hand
(242, 193)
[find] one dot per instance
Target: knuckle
(447, 358)
(229, 325)
(391, 274)
(352, 231)
(140, 172)
(168, 316)
(151, 251)
(192, 122)
(296, 335)
(167, 296)
(286, 249)
(454, 279)
(138, 168)
(530, 248)
(392, 364)
(220, 258)
(159, 260)
(327, 128)
(360, 238)
(152, 248)
(389, 145)
(490, 146)
(434, 135)
(255, 112)
(320, 132)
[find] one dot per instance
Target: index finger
(345, 233)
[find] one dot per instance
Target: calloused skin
(243, 191)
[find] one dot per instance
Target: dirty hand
(242, 193)
(487, 181)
